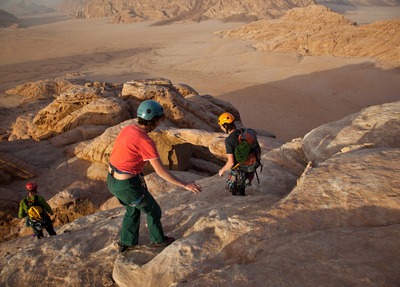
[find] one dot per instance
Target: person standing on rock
(37, 211)
(239, 170)
(133, 148)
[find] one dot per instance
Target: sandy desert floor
(284, 93)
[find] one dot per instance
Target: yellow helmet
(225, 118)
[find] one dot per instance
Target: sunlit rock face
(126, 11)
(326, 211)
(317, 30)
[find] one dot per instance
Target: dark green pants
(128, 191)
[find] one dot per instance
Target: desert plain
(284, 93)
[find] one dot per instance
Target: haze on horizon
(4, 4)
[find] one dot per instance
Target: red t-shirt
(132, 149)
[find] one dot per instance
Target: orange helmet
(225, 118)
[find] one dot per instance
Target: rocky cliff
(30, 7)
(325, 213)
(179, 10)
(362, 2)
(8, 20)
(317, 30)
(64, 124)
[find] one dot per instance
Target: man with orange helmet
(236, 181)
(37, 211)
(227, 123)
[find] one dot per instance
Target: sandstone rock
(338, 226)
(97, 171)
(171, 143)
(179, 110)
(330, 196)
(179, 11)
(44, 88)
(205, 166)
(185, 90)
(316, 30)
(13, 167)
(282, 167)
(80, 133)
(9, 201)
(382, 3)
(8, 20)
(99, 149)
(158, 186)
(376, 125)
(23, 127)
(81, 106)
(127, 16)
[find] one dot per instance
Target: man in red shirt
(132, 149)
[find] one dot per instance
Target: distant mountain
(8, 20)
(169, 11)
(30, 7)
(361, 2)
(317, 30)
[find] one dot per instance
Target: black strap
(34, 203)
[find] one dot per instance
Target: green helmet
(149, 109)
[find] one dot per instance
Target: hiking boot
(122, 248)
(168, 240)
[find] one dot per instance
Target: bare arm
(228, 165)
(165, 174)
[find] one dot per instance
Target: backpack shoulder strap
(36, 200)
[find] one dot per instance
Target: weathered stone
(46, 88)
(81, 107)
(317, 30)
(178, 11)
(185, 90)
(127, 16)
(9, 201)
(16, 167)
(23, 128)
(81, 133)
(336, 223)
(376, 125)
(99, 149)
(200, 113)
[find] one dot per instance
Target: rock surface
(8, 20)
(75, 123)
(334, 221)
(373, 127)
(317, 30)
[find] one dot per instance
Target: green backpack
(248, 152)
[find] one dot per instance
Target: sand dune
(284, 93)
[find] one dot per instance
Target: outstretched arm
(228, 165)
(165, 174)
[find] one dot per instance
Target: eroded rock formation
(317, 30)
(172, 11)
(8, 20)
(74, 124)
(319, 216)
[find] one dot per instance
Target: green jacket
(23, 210)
